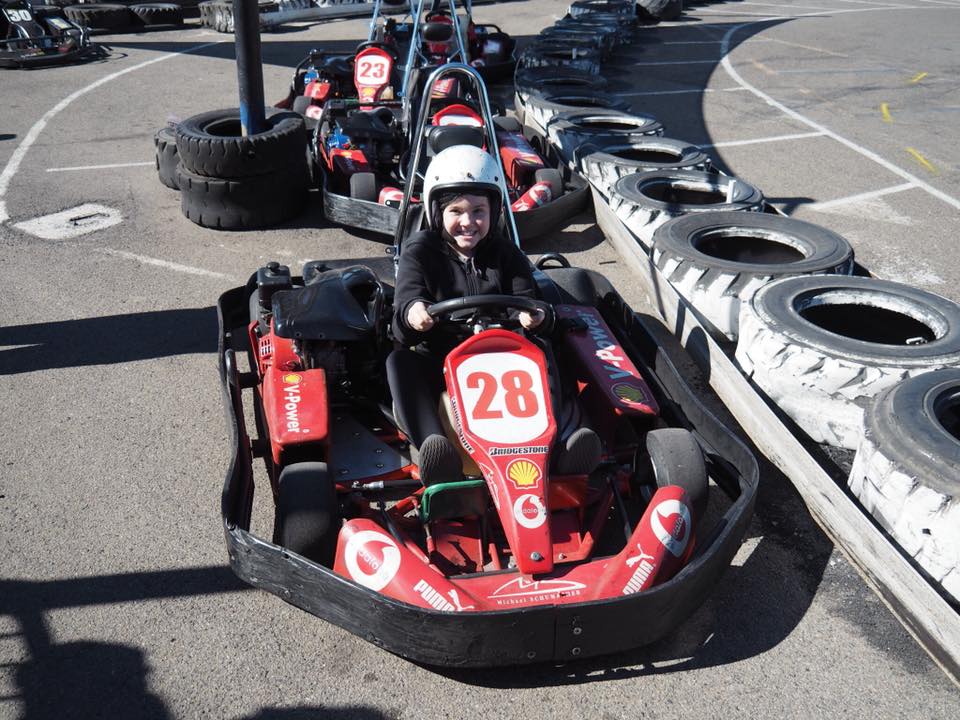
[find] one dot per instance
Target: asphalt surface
(115, 597)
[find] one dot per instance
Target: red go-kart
(515, 562)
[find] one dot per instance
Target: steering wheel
(385, 46)
(456, 311)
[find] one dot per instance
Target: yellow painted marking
(918, 77)
(885, 111)
(922, 160)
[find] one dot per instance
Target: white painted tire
(645, 201)
(905, 471)
(570, 131)
(718, 260)
(822, 347)
(542, 107)
(604, 164)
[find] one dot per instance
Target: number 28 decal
(504, 398)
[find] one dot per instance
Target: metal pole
(246, 31)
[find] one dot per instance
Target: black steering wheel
(490, 307)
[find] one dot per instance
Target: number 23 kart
(521, 560)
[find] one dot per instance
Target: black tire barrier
(100, 17)
(822, 347)
(604, 167)
(242, 203)
(718, 260)
(645, 201)
(586, 60)
(622, 8)
(905, 471)
(210, 144)
(158, 13)
(165, 156)
(577, 132)
(660, 9)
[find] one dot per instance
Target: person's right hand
(418, 318)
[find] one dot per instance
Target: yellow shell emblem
(524, 473)
(292, 378)
(629, 393)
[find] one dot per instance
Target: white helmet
(462, 169)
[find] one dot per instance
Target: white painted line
(873, 2)
(71, 223)
(781, 6)
(826, 205)
(711, 11)
(941, 2)
(678, 92)
(757, 141)
(13, 164)
(692, 42)
(909, 177)
(163, 263)
(99, 167)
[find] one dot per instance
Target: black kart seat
(337, 305)
(375, 124)
(337, 65)
(442, 137)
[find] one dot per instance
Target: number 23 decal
(372, 70)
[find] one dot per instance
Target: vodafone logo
(675, 538)
(372, 559)
(529, 512)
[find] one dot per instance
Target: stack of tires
(117, 17)
(228, 181)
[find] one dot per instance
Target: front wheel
(307, 514)
(677, 460)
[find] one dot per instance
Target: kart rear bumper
(484, 639)
(47, 59)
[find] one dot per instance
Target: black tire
(307, 514)
(553, 178)
(508, 124)
(363, 186)
(158, 13)
(676, 459)
(660, 9)
(719, 260)
(210, 144)
(587, 61)
(604, 165)
(542, 107)
(165, 156)
(822, 347)
(905, 471)
(586, 7)
(241, 203)
(301, 103)
(645, 201)
(100, 17)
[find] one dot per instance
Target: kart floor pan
(484, 639)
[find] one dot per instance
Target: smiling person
(462, 253)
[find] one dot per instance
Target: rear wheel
(363, 186)
(676, 459)
(551, 177)
(307, 515)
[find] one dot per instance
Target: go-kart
(364, 151)
(38, 35)
(523, 558)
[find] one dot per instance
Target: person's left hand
(528, 321)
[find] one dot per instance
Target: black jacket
(431, 271)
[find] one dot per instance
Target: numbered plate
(504, 398)
(18, 15)
(372, 70)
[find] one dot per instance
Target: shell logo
(292, 378)
(629, 393)
(524, 473)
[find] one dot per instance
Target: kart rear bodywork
(33, 38)
(558, 631)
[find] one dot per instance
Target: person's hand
(528, 321)
(418, 318)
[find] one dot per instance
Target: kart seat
(342, 305)
(442, 137)
(340, 66)
(370, 124)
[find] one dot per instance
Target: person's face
(467, 221)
